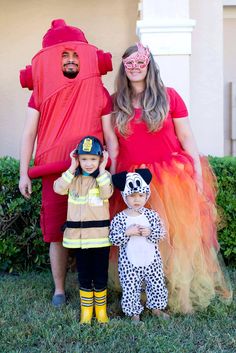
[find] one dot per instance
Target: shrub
(21, 246)
(225, 170)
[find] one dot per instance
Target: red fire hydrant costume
(69, 110)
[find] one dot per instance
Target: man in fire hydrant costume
(67, 103)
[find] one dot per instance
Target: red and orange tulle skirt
(189, 252)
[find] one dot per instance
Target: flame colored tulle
(190, 251)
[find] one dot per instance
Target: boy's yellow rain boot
(100, 299)
(86, 305)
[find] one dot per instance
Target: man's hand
(103, 164)
(25, 186)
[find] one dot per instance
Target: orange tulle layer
(190, 251)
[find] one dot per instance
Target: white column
(206, 76)
(166, 28)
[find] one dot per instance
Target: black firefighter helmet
(89, 145)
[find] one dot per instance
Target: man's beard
(70, 74)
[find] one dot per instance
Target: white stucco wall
(230, 77)
(165, 9)
(206, 76)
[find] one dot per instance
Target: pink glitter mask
(138, 60)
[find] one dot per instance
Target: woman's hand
(188, 143)
(199, 182)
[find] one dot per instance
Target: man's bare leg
(58, 258)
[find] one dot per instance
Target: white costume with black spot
(139, 261)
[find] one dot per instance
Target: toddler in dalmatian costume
(137, 230)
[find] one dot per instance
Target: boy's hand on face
(103, 163)
(74, 162)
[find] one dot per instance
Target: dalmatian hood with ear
(129, 183)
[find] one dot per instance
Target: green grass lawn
(28, 323)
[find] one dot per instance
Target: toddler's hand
(132, 230)
(144, 231)
(103, 163)
(74, 162)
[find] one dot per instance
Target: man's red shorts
(53, 211)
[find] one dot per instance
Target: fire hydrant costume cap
(60, 32)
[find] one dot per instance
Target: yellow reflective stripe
(100, 301)
(106, 182)
(86, 304)
(71, 246)
(94, 191)
(82, 200)
(78, 243)
(95, 241)
(67, 176)
(103, 180)
(78, 197)
(102, 177)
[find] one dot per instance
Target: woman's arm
(27, 146)
(185, 135)
(110, 140)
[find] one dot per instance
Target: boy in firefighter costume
(67, 103)
(88, 186)
(136, 231)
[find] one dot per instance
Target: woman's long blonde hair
(153, 99)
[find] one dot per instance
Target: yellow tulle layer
(189, 253)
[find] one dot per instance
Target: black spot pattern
(132, 277)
